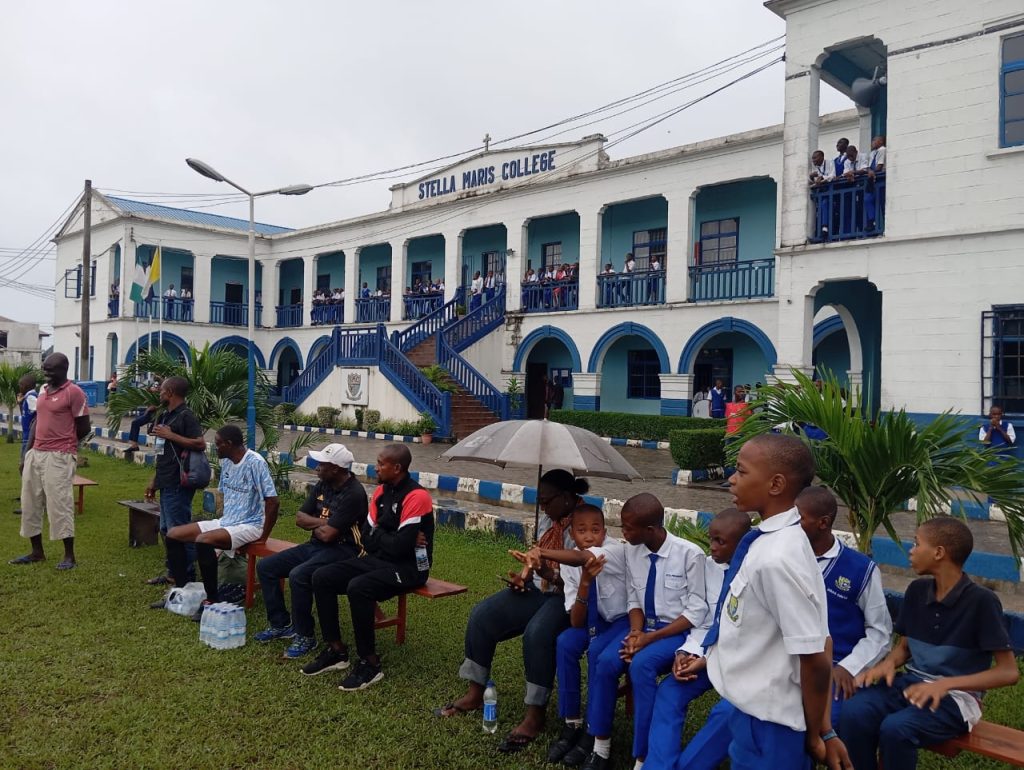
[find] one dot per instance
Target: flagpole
(160, 293)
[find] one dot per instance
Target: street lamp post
(298, 189)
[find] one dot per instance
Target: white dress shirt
(877, 157)
(611, 583)
(776, 610)
(679, 591)
(714, 576)
(850, 166)
(877, 621)
(825, 170)
(477, 286)
(1010, 432)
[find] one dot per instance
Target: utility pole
(83, 285)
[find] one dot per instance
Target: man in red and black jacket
(400, 522)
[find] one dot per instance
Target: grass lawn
(91, 678)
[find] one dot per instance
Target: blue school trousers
(879, 722)
(710, 746)
(670, 706)
(653, 660)
(757, 744)
(572, 643)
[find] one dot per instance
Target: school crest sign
(354, 386)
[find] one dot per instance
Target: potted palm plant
(427, 427)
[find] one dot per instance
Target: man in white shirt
(821, 169)
(630, 264)
(840, 159)
(666, 599)
(676, 692)
(876, 160)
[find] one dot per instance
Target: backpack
(195, 469)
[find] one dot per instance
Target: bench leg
(400, 631)
(80, 506)
(250, 579)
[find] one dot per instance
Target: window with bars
(552, 254)
(420, 273)
(719, 241)
(642, 374)
(1011, 92)
(73, 282)
(1002, 359)
(647, 245)
(384, 278)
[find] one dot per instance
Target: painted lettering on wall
(478, 177)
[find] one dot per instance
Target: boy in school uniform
(597, 616)
(768, 649)
(998, 432)
(858, 617)
(717, 397)
(951, 629)
(676, 692)
(665, 577)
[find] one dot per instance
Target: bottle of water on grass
(491, 708)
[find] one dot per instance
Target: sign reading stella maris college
(485, 175)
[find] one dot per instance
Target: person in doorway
(717, 396)
(400, 519)
(48, 466)
(476, 291)
(334, 514)
(549, 395)
(177, 430)
(113, 301)
(250, 512)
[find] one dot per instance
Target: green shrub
(360, 415)
(407, 428)
(371, 419)
(301, 418)
(326, 415)
(345, 423)
(693, 531)
(693, 449)
(284, 413)
(647, 427)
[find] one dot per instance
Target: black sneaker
(362, 676)
(329, 659)
(596, 762)
(568, 738)
(578, 754)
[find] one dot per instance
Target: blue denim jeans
(176, 509)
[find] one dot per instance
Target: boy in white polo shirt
(768, 649)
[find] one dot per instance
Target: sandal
(159, 580)
(27, 559)
(452, 709)
(515, 742)
(67, 564)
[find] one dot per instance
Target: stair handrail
(412, 336)
(348, 347)
(464, 332)
(413, 384)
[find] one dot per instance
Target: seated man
(400, 521)
(951, 630)
(333, 514)
(250, 512)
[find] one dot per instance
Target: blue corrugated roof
(193, 217)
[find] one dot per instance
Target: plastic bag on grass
(185, 600)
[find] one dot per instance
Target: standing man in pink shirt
(48, 467)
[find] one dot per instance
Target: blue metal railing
(411, 382)
(373, 310)
(732, 280)
(167, 308)
(631, 289)
(418, 306)
(848, 209)
(327, 314)
(356, 347)
(409, 338)
(289, 315)
(459, 336)
(551, 296)
(233, 313)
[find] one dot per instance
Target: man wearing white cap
(334, 514)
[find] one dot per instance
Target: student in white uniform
(768, 649)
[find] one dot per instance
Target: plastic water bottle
(223, 631)
(422, 560)
(237, 627)
(204, 626)
(491, 708)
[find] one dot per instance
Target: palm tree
(10, 374)
(217, 394)
(875, 462)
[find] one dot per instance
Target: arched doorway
(732, 350)
(547, 351)
(858, 305)
(630, 359)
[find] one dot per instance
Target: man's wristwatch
(829, 735)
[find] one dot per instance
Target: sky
(273, 94)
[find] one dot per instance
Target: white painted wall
(383, 396)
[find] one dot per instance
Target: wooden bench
(432, 589)
(1003, 744)
(80, 483)
(143, 522)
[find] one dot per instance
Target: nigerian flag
(137, 293)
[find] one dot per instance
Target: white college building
(913, 290)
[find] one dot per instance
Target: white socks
(575, 722)
(638, 765)
(603, 747)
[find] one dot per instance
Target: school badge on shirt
(732, 608)
(843, 584)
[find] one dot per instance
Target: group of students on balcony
(865, 204)
(481, 288)
(553, 288)
(628, 288)
(327, 306)
(423, 297)
(177, 306)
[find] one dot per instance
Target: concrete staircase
(468, 413)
